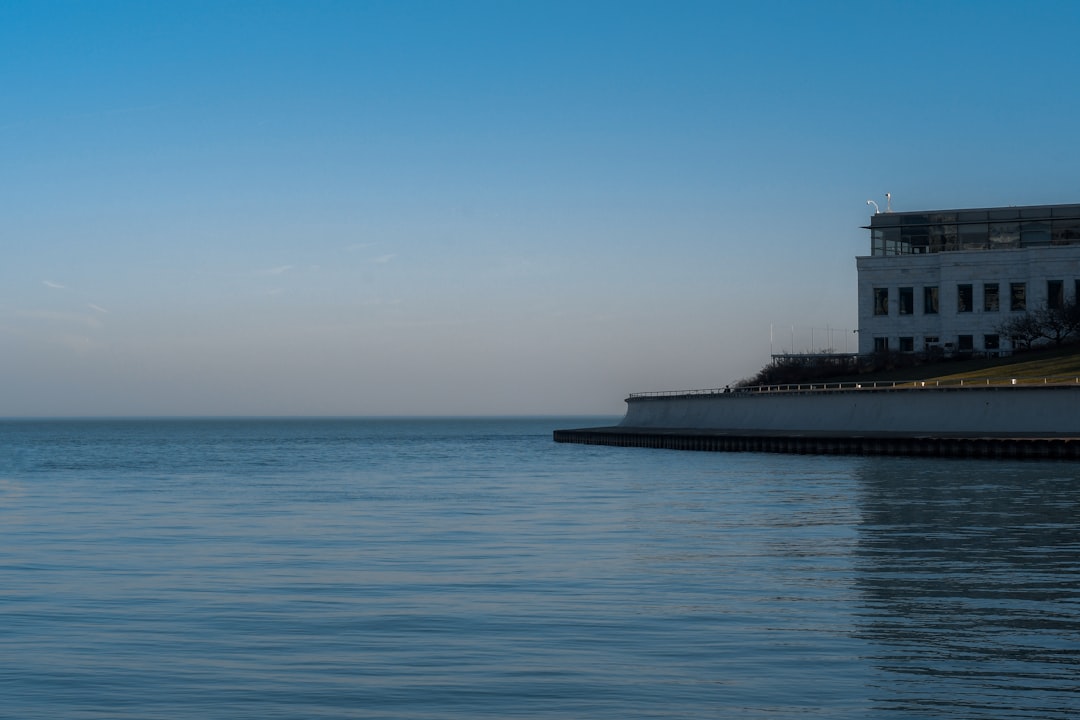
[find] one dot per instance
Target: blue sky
(382, 208)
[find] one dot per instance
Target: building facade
(944, 281)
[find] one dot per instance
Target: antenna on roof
(888, 202)
(876, 209)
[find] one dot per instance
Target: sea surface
(473, 568)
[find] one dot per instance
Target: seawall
(991, 421)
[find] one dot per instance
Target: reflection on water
(970, 579)
(475, 569)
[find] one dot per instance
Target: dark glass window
(1065, 231)
(965, 343)
(1055, 294)
(914, 219)
(991, 299)
(906, 300)
(885, 241)
(914, 239)
(930, 300)
(963, 298)
(1018, 296)
(991, 342)
(1035, 233)
(1004, 235)
(943, 237)
(881, 344)
(881, 301)
(973, 237)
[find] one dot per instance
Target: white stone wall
(1012, 410)
(947, 270)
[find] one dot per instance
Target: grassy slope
(1025, 367)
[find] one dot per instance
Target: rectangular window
(906, 301)
(943, 237)
(914, 239)
(1064, 231)
(1018, 296)
(881, 301)
(1055, 294)
(965, 343)
(963, 298)
(1034, 233)
(973, 237)
(930, 300)
(907, 344)
(881, 344)
(1004, 235)
(991, 342)
(990, 297)
(886, 241)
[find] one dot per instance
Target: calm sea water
(476, 569)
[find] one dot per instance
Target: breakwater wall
(993, 421)
(920, 446)
(1052, 410)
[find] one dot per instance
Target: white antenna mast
(876, 209)
(888, 202)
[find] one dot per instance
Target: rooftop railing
(870, 385)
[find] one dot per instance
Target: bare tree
(1056, 325)
(1059, 325)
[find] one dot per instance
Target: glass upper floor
(911, 233)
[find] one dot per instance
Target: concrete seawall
(1003, 421)
(1043, 410)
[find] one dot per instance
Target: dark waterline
(441, 568)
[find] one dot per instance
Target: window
(943, 237)
(1064, 231)
(991, 342)
(1035, 232)
(930, 300)
(906, 300)
(1055, 294)
(886, 241)
(1018, 296)
(965, 343)
(881, 301)
(914, 239)
(974, 236)
(1004, 235)
(990, 297)
(881, 344)
(907, 344)
(963, 298)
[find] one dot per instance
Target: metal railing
(870, 385)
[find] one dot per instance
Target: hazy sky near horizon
(400, 208)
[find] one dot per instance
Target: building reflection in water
(969, 573)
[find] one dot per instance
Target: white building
(945, 280)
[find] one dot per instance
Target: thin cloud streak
(280, 270)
